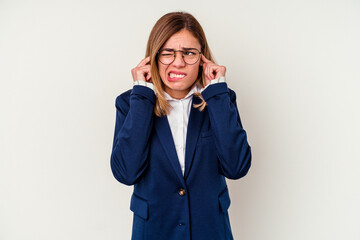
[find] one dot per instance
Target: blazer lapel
(164, 133)
(194, 126)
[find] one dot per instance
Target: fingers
(144, 62)
(212, 70)
(207, 72)
(209, 69)
(142, 71)
(204, 59)
(148, 76)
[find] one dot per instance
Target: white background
(293, 64)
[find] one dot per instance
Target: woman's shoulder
(232, 95)
(123, 99)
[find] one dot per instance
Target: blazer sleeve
(233, 150)
(133, 126)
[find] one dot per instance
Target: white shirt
(179, 116)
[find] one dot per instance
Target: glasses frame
(182, 55)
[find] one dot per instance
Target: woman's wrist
(214, 81)
(143, 83)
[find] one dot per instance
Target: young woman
(178, 134)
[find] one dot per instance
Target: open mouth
(175, 76)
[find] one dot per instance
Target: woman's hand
(211, 70)
(142, 71)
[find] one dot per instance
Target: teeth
(172, 75)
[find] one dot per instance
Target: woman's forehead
(181, 40)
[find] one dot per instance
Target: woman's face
(179, 76)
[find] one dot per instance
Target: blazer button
(182, 192)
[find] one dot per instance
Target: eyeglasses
(189, 55)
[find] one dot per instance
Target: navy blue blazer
(166, 204)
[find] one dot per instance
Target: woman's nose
(179, 60)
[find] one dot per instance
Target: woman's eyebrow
(184, 48)
(190, 48)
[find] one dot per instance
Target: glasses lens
(189, 56)
(166, 57)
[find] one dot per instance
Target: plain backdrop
(293, 64)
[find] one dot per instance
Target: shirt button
(182, 192)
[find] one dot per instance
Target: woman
(178, 134)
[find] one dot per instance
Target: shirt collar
(193, 90)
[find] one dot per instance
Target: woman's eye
(189, 53)
(167, 54)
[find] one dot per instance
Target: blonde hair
(164, 28)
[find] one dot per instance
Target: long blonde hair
(164, 28)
